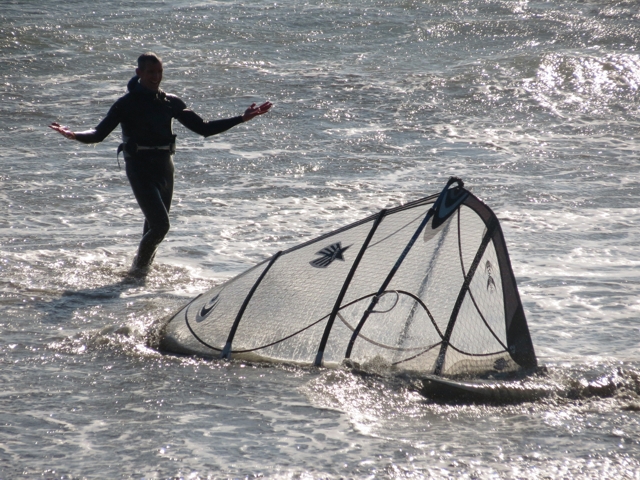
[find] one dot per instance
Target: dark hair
(148, 57)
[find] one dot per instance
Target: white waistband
(161, 147)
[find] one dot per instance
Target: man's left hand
(254, 111)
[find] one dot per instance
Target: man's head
(149, 71)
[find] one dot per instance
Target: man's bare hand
(61, 129)
(254, 111)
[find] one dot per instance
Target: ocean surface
(534, 104)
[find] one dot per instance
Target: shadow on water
(67, 308)
(70, 301)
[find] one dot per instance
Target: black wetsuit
(146, 119)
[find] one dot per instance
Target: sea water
(534, 104)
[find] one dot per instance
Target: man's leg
(152, 184)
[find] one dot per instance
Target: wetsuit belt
(161, 147)
(132, 148)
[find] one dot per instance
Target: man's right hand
(61, 129)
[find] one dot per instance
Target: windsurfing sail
(425, 287)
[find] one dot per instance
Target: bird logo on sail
(329, 254)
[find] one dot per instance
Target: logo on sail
(329, 254)
(206, 309)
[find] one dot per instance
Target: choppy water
(377, 102)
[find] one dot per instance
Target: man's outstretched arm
(96, 135)
(195, 123)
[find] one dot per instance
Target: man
(146, 114)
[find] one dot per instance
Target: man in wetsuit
(146, 114)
